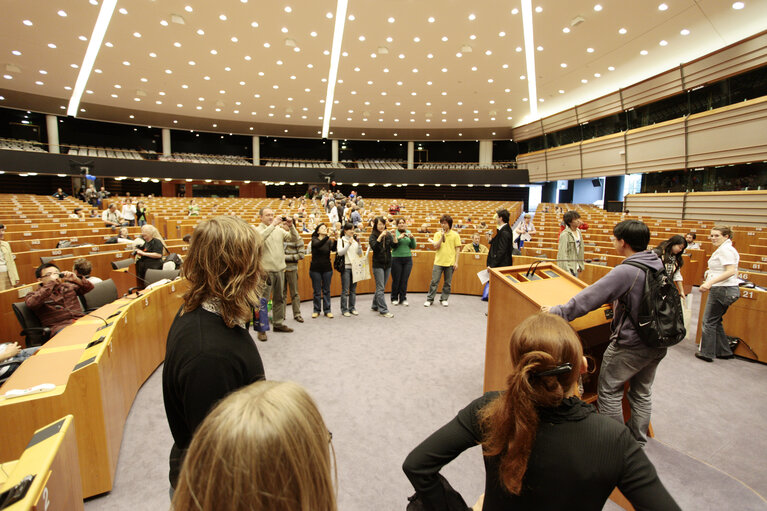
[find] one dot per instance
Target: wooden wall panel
(604, 156)
(562, 120)
(564, 162)
(535, 163)
(653, 89)
(731, 134)
(660, 205)
(737, 58)
(531, 130)
(730, 208)
(600, 107)
(656, 148)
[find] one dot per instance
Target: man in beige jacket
(273, 263)
(9, 276)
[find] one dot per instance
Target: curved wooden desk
(97, 369)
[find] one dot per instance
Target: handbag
(361, 268)
(486, 291)
(261, 317)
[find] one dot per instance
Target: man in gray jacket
(627, 358)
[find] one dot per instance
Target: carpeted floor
(385, 384)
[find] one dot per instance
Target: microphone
(132, 289)
(534, 265)
(98, 317)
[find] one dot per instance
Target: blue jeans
(436, 273)
(400, 273)
(636, 365)
(348, 291)
(321, 287)
(713, 340)
(379, 300)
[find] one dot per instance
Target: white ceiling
(151, 67)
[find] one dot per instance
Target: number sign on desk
(747, 293)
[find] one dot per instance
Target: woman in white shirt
(722, 285)
(129, 212)
(524, 230)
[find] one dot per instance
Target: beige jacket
(570, 255)
(273, 256)
(13, 273)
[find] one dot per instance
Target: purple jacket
(622, 280)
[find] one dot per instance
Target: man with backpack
(634, 351)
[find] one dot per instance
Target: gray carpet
(384, 384)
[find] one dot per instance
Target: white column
(485, 152)
(334, 151)
(410, 154)
(166, 142)
(256, 150)
(52, 124)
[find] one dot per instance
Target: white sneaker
(387, 315)
(444, 304)
(404, 302)
(427, 303)
(395, 302)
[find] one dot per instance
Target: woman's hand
(705, 287)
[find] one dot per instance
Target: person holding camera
(381, 241)
(401, 262)
(55, 302)
(348, 247)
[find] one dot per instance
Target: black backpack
(660, 322)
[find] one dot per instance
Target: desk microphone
(98, 317)
(534, 265)
(132, 289)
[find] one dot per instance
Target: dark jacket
(381, 250)
(500, 248)
(321, 249)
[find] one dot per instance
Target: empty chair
(35, 333)
(153, 275)
(102, 293)
(122, 263)
(46, 260)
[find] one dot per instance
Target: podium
(517, 292)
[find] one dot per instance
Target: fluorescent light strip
(99, 30)
(335, 57)
(527, 27)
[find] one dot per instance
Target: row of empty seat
(103, 152)
(21, 145)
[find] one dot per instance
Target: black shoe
(726, 357)
(703, 357)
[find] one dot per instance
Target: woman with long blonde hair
(210, 351)
(149, 256)
(544, 448)
(264, 447)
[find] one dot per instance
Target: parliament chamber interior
(642, 112)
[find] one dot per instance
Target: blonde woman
(149, 256)
(209, 351)
(265, 447)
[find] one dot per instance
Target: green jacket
(570, 254)
(403, 248)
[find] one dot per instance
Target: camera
(61, 275)
(284, 219)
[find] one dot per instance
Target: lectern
(517, 292)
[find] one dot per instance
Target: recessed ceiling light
(8, 77)
(351, 17)
(444, 38)
(62, 13)
(563, 65)
(123, 10)
(597, 7)
(643, 52)
(389, 39)
(38, 82)
(222, 17)
(213, 52)
(136, 34)
(177, 44)
(267, 45)
(431, 19)
(361, 38)
(16, 52)
(153, 55)
(52, 46)
(684, 31)
(288, 9)
(663, 42)
(416, 39)
(234, 39)
(539, 9)
(43, 72)
(663, 7)
(254, 24)
(164, 23)
(27, 23)
(109, 45)
(611, 68)
(188, 8)
(584, 81)
(161, 93)
(597, 75)
(622, 31)
(561, 91)
(284, 30)
(738, 5)
(515, 11)
(126, 63)
(589, 50)
(168, 71)
(518, 49)
(391, 19)
(144, 80)
(429, 55)
(73, 66)
(459, 54)
(566, 30)
(539, 48)
(488, 52)
(247, 57)
(472, 17)
(82, 38)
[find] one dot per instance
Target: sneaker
(444, 304)
(347, 314)
(395, 302)
(315, 315)
(329, 315)
(427, 303)
(299, 319)
(387, 315)
(355, 313)
(404, 302)
(262, 336)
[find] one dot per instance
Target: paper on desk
(484, 276)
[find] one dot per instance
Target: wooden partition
(97, 365)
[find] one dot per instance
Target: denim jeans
(400, 273)
(348, 291)
(436, 273)
(636, 365)
(379, 300)
(713, 340)
(321, 287)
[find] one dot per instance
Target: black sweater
(204, 361)
(500, 248)
(321, 254)
(381, 250)
(578, 457)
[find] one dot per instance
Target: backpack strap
(643, 267)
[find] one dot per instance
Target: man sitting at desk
(55, 302)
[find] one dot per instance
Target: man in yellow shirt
(474, 247)
(447, 243)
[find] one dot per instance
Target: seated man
(77, 214)
(60, 194)
(55, 302)
(113, 218)
(474, 247)
(83, 269)
(11, 357)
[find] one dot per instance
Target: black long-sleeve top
(321, 254)
(204, 361)
(381, 250)
(577, 459)
(500, 248)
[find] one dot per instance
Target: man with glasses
(55, 302)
